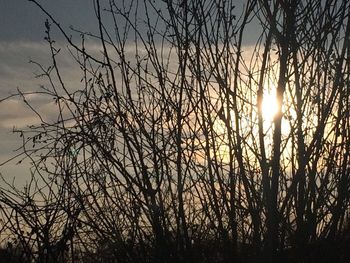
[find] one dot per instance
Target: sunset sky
(22, 40)
(165, 130)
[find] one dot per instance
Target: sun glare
(269, 106)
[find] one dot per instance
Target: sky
(22, 33)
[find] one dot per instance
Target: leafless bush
(164, 152)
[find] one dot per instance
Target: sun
(269, 106)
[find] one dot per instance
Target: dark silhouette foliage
(169, 149)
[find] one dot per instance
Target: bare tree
(166, 153)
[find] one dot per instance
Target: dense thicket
(165, 151)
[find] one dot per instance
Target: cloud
(14, 113)
(17, 73)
